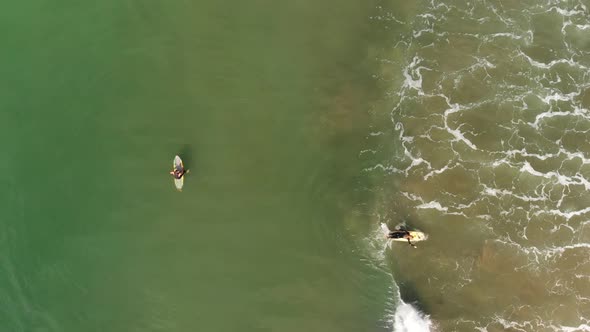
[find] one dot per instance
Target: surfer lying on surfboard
(401, 234)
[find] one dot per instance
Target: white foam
(432, 205)
(579, 328)
(536, 325)
(384, 228)
(568, 154)
(577, 112)
(402, 317)
(387, 17)
(537, 93)
(566, 215)
(547, 253)
(408, 319)
(503, 34)
(389, 169)
(367, 151)
(549, 65)
(582, 26)
(503, 192)
(437, 171)
(561, 179)
(414, 70)
(454, 108)
(567, 13)
(559, 97)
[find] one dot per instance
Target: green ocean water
(305, 125)
(259, 98)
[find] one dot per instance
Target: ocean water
(484, 145)
(260, 101)
(305, 125)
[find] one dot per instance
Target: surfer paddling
(178, 172)
(401, 234)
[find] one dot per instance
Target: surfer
(401, 234)
(178, 173)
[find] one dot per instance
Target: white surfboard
(417, 236)
(177, 164)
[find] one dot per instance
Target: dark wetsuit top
(398, 234)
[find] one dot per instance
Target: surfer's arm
(410, 243)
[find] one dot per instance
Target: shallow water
(485, 148)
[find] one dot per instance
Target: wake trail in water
(402, 316)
